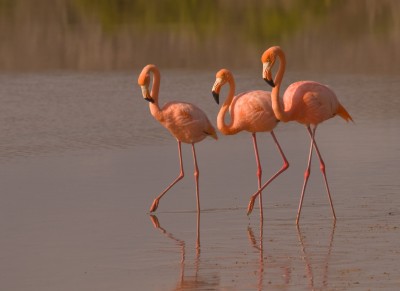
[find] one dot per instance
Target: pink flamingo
(306, 102)
(250, 111)
(185, 121)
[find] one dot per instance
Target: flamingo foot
(154, 206)
(155, 222)
(251, 205)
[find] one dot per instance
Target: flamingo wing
(255, 111)
(310, 102)
(186, 122)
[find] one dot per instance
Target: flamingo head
(144, 83)
(221, 78)
(268, 59)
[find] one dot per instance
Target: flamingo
(250, 111)
(185, 121)
(306, 102)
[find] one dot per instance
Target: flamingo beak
(146, 94)
(270, 82)
(151, 100)
(267, 76)
(216, 88)
(216, 96)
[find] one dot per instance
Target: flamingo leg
(196, 176)
(259, 173)
(322, 168)
(306, 175)
(198, 235)
(180, 176)
(282, 169)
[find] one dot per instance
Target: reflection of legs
(310, 274)
(305, 257)
(284, 167)
(181, 175)
(259, 172)
(196, 176)
(179, 242)
(260, 248)
(322, 168)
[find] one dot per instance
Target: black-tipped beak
(151, 100)
(270, 82)
(216, 96)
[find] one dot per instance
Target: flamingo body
(252, 112)
(185, 121)
(309, 102)
(249, 111)
(306, 102)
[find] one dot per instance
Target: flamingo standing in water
(306, 102)
(250, 111)
(185, 121)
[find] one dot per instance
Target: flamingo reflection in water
(264, 265)
(307, 259)
(195, 282)
(316, 263)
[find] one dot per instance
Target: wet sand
(80, 171)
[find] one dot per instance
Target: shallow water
(81, 160)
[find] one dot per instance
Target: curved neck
(156, 82)
(222, 126)
(277, 105)
(154, 107)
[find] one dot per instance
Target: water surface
(347, 36)
(81, 160)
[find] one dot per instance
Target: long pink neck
(277, 105)
(154, 107)
(227, 129)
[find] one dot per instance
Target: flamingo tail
(342, 112)
(211, 132)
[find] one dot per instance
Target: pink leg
(322, 168)
(284, 167)
(259, 173)
(196, 176)
(198, 235)
(181, 175)
(306, 176)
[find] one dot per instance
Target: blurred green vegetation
(252, 20)
(115, 34)
(6, 6)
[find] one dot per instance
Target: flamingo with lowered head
(306, 102)
(250, 111)
(185, 121)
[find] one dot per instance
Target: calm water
(81, 160)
